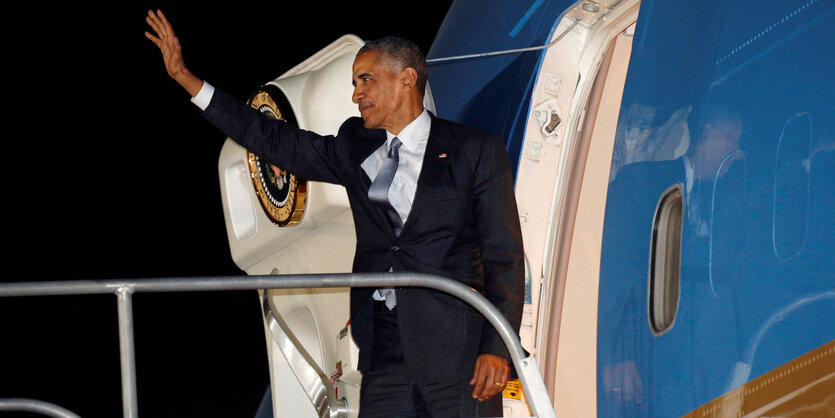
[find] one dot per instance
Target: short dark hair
(402, 52)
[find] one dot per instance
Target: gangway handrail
(526, 367)
(35, 406)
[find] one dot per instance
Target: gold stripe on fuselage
(804, 386)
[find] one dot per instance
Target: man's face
(377, 91)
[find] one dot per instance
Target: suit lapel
(361, 149)
(436, 162)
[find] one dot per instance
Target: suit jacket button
(395, 248)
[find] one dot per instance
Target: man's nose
(355, 97)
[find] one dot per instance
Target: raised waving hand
(172, 52)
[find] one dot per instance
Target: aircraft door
(569, 142)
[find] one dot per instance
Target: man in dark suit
(427, 195)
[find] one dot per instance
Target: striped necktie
(379, 194)
(379, 190)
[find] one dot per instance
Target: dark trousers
(389, 390)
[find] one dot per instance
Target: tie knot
(395, 146)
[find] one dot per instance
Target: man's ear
(408, 77)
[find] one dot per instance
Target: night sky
(114, 175)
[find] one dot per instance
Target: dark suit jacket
(463, 225)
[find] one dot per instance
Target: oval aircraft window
(282, 195)
(665, 261)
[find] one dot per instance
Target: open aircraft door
(280, 224)
(567, 151)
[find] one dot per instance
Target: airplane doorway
(567, 325)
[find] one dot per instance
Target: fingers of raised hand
(160, 25)
(153, 21)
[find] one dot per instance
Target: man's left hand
(490, 376)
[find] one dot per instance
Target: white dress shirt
(204, 96)
(402, 191)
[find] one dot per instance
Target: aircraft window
(665, 261)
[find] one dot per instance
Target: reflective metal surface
(35, 406)
(732, 102)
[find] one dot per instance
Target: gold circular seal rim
(297, 195)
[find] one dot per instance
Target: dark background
(112, 173)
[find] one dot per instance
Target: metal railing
(35, 406)
(526, 367)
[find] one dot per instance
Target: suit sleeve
(304, 153)
(500, 237)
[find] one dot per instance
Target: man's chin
(369, 124)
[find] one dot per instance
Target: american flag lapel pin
(442, 155)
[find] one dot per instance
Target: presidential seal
(282, 195)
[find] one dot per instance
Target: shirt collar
(414, 133)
